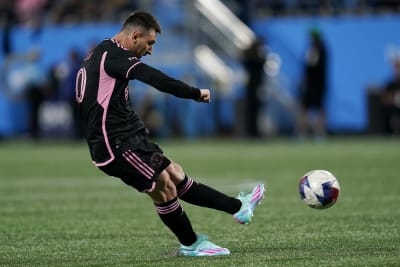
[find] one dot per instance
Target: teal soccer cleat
(202, 247)
(249, 203)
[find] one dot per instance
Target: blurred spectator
(67, 88)
(313, 89)
(36, 12)
(21, 71)
(30, 12)
(37, 90)
(253, 62)
(24, 78)
(151, 115)
(384, 5)
(321, 7)
(76, 11)
(391, 101)
(8, 20)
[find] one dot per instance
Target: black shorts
(138, 165)
(313, 98)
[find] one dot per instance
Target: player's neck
(121, 39)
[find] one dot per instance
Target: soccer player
(118, 141)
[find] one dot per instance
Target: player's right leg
(200, 194)
(249, 203)
(242, 207)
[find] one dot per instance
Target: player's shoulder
(113, 46)
(117, 50)
(109, 45)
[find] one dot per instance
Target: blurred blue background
(361, 39)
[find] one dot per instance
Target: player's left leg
(174, 217)
(170, 211)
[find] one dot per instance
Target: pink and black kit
(116, 136)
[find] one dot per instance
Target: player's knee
(176, 172)
(165, 189)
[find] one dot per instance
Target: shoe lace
(203, 243)
(200, 241)
(241, 195)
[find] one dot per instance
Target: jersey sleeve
(119, 63)
(163, 82)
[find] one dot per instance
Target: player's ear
(135, 36)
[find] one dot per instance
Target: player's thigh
(138, 167)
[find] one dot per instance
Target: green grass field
(57, 209)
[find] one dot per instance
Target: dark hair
(142, 19)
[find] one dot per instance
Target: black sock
(202, 195)
(173, 216)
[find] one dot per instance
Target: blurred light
(213, 66)
(272, 64)
(226, 22)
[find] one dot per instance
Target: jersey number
(80, 86)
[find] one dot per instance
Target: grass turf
(56, 209)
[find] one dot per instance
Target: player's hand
(205, 96)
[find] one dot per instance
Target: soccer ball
(319, 189)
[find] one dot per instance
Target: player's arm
(124, 65)
(167, 84)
